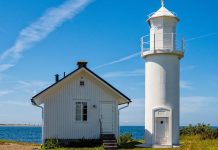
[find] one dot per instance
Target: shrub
(80, 143)
(125, 138)
(51, 144)
(205, 131)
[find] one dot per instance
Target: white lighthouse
(162, 69)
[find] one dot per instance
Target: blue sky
(40, 38)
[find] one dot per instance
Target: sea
(34, 134)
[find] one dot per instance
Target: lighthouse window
(161, 122)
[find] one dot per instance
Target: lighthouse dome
(163, 12)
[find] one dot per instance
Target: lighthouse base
(157, 146)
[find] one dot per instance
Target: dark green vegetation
(125, 138)
(82, 143)
(204, 131)
(51, 143)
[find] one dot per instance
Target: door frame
(112, 121)
(167, 115)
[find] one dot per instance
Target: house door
(107, 117)
(162, 130)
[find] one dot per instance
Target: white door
(107, 117)
(161, 130)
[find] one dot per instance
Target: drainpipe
(34, 104)
(119, 119)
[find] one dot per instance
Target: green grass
(187, 143)
(96, 148)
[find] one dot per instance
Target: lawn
(187, 143)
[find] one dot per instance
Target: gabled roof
(75, 71)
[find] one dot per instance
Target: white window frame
(81, 111)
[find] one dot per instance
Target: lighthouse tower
(162, 69)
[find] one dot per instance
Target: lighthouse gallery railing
(168, 40)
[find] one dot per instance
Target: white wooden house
(80, 106)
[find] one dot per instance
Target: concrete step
(110, 141)
(110, 144)
(108, 135)
(111, 147)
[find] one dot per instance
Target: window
(81, 111)
(82, 83)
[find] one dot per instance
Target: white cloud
(32, 83)
(18, 103)
(199, 109)
(201, 36)
(185, 85)
(31, 87)
(188, 68)
(4, 67)
(134, 114)
(40, 29)
(118, 61)
(3, 93)
(194, 104)
(134, 73)
(194, 109)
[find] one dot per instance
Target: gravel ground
(15, 146)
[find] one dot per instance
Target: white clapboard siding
(59, 109)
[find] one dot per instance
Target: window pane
(78, 111)
(81, 111)
(84, 117)
(85, 104)
(85, 111)
(78, 117)
(82, 83)
(78, 104)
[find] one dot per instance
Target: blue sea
(21, 134)
(34, 134)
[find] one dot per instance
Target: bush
(51, 144)
(205, 131)
(80, 143)
(125, 138)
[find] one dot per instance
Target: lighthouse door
(161, 126)
(162, 131)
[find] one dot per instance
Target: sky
(39, 39)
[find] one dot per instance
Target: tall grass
(205, 131)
